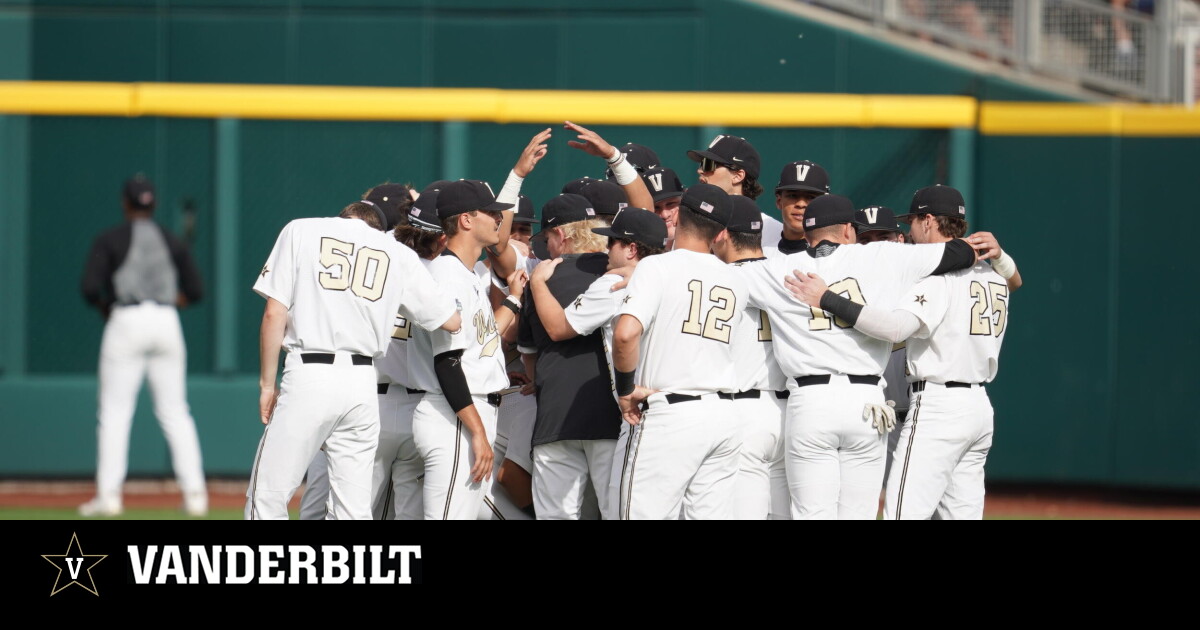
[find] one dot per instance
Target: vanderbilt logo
(74, 567)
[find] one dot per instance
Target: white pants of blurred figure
(514, 431)
(144, 341)
(566, 472)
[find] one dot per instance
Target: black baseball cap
(642, 157)
(744, 215)
(524, 211)
(876, 219)
(576, 186)
(606, 197)
(566, 208)
(939, 199)
(638, 225)
(423, 214)
(138, 192)
(663, 183)
(731, 151)
(389, 198)
(466, 195)
(803, 175)
(707, 201)
(828, 210)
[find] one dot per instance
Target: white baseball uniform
(139, 269)
(598, 309)
(685, 449)
(834, 457)
(759, 405)
(943, 446)
(441, 438)
(343, 283)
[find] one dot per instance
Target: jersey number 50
(364, 272)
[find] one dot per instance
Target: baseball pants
(762, 423)
(145, 341)
(334, 405)
(314, 503)
(622, 452)
(683, 460)
(398, 469)
(562, 472)
(938, 469)
(834, 457)
(514, 431)
(445, 445)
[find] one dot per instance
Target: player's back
(689, 305)
(964, 315)
(810, 342)
(342, 283)
(753, 345)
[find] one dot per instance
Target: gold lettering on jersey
(715, 325)
(847, 288)
(364, 273)
(485, 326)
(989, 313)
(764, 327)
(403, 329)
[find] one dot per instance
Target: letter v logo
(73, 565)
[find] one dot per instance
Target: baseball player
(836, 414)
(955, 324)
(762, 394)
(874, 224)
(799, 183)
(667, 190)
(671, 350)
(634, 235)
(333, 287)
(454, 425)
(733, 164)
(136, 275)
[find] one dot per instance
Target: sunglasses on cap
(709, 165)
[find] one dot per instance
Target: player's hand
(545, 269)
(267, 398)
(528, 389)
(631, 405)
(590, 142)
(806, 287)
(985, 244)
(481, 458)
(517, 378)
(533, 153)
(625, 273)
(516, 283)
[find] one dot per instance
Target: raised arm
(627, 177)
(504, 259)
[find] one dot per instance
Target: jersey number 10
(364, 272)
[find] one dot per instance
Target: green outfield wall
(1095, 371)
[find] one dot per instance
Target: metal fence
(1122, 51)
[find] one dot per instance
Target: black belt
(919, 386)
(678, 398)
(823, 379)
(749, 393)
(783, 395)
(495, 398)
(327, 358)
(383, 389)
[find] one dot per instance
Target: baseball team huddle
(651, 352)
